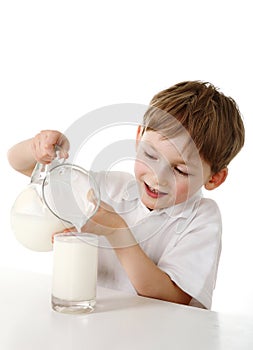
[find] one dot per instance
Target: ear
(138, 135)
(216, 179)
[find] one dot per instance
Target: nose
(163, 176)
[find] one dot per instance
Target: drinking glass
(74, 272)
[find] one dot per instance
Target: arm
(147, 279)
(20, 157)
(24, 155)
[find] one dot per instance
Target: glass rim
(81, 236)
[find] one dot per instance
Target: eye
(150, 156)
(181, 172)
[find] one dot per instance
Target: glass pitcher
(59, 196)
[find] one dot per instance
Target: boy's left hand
(105, 222)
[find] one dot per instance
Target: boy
(166, 237)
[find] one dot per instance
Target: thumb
(92, 197)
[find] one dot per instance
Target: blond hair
(212, 119)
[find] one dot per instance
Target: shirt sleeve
(192, 261)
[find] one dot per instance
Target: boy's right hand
(43, 146)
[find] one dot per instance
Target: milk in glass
(74, 272)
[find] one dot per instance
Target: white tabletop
(120, 321)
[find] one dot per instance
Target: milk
(75, 268)
(33, 223)
(63, 197)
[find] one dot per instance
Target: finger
(48, 141)
(56, 138)
(70, 229)
(42, 151)
(91, 196)
(50, 150)
(63, 154)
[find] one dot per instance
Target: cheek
(138, 169)
(182, 190)
(186, 188)
(141, 168)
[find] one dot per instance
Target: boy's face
(168, 171)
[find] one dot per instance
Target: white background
(62, 59)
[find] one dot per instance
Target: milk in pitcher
(33, 223)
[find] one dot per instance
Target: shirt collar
(183, 210)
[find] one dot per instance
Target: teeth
(153, 190)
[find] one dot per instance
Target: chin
(150, 204)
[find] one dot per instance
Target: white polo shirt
(184, 241)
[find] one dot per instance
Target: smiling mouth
(152, 192)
